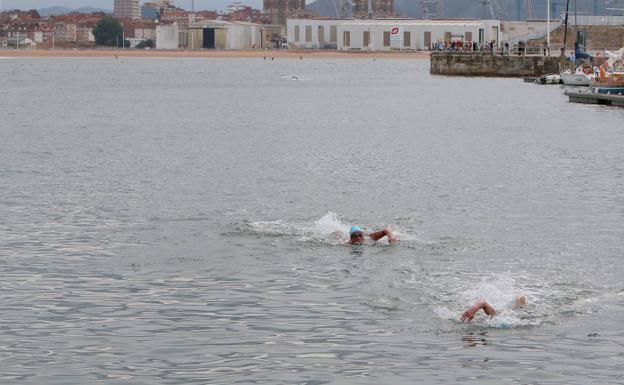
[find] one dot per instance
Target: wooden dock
(588, 97)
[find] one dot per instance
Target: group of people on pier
(464, 46)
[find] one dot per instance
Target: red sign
(395, 31)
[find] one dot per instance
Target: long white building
(387, 34)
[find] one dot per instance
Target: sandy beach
(45, 53)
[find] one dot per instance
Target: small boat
(611, 84)
(549, 79)
(611, 75)
(582, 76)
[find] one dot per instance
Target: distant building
(149, 12)
(245, 13)
(217, 34)
(127, 9)
(134, 41)
(179, 17)
(278, 11)
(145, 29)
(154, 9)
(85, 34)
(167, 5)
(235, 6)
(387, 34)
(65, 32)
(167, 36)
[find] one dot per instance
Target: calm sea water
(172, 221)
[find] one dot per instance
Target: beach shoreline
(282, 54)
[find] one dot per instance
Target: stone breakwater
(493, 65)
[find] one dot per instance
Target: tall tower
(127, 9)
(280, 10)
(380, 8)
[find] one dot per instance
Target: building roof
(411, 22)
(400, 21)
(219, 23)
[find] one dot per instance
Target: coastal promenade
(296, 54)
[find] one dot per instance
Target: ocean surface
(180, 221)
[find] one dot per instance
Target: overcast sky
(108, 4)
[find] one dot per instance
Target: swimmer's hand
(391, 238)
(468, 315)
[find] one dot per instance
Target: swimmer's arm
(469, 314)
(377, 235)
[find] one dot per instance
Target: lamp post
(565, 31)
(548, 28)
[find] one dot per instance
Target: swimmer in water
(469, 314)
(357, 236)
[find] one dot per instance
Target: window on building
(308, 33)
(407, 39)
(366, 39)
(321, 34)
(386, 38)
(468, 36)
(427, 39)
(448, 36)
(296, 33)
(346, 38)
(333, 34)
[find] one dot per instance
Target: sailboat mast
(565, 26)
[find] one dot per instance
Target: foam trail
(404, 235)
(327, 229)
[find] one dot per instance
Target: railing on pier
(535, 35)
(595, 20)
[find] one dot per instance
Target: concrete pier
(493, 65)
(594, 98)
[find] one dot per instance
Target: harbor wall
(488, 64)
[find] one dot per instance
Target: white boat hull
(575, 79)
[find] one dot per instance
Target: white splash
(500, 292)
(330, 223)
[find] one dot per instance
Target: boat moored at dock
(581, 76)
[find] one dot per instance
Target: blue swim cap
(354, 229)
